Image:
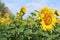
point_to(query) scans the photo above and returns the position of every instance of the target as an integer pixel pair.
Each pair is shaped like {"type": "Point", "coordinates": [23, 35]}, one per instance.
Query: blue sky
{"type": "Point", "coordinates": [15, 5]}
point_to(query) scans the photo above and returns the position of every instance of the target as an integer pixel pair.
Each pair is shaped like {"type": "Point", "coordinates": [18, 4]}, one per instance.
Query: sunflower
{"type": "Point", "coordinates": [2, 20]}
{"type": "Point", "coordinates": [5, 21]}
{"type": "Point", "coordinates": [6, 15]}
{"type": "Point", "coordinates": [23, 9]}
{"type": "Point", "coordinates": [8, 21]}
{"type": "Point", "coordinates": [48, 20]}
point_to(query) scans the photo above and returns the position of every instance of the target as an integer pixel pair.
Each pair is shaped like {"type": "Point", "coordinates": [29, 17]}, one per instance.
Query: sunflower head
{"type": "Point", "coordinates": [48, 20]}
{"type": "Point", "coordinates": [6, 15]}
{"type": "Point", "coordinates": [23, 9]}
{"type": "Point", "coordinates": [8, 21]}
{"type": "Point", "coordinates": [3, 20]}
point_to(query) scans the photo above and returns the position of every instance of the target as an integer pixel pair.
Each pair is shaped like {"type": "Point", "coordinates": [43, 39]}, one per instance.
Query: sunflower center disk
{"type": "Point", "coordinates": [47, 20]}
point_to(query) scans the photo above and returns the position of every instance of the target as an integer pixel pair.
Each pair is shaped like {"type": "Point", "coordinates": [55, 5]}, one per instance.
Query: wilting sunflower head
{"type": "Point", "coordinates": [23, 9]}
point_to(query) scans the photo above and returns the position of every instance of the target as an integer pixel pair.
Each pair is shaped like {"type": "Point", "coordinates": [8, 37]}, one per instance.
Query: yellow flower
{"type": "Point", "coordinates": [44, 11]}
{"type": "Point", "coordinates": [6, 15]}
{"type": "Point", "coordinates": [48, 19]}
{"type": "Point", "coordinates": [23, 9]}
{"type": "Point", "coordinates": [3, 20]}
{"type": "Point", "coordinates": [8, 21]}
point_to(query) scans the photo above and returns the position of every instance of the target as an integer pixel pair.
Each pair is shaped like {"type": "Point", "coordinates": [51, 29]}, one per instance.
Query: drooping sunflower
{"type": "Point", "coordinates": [48, 20]}
{"type": "Point", "coordinates": [23, 9]}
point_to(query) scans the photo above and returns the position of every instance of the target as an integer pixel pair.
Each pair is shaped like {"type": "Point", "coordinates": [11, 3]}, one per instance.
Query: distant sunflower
{"type": "Point", "coordinates": [5, 20]}
{"type": "Point", "coordinates": [6, 15]}
{"type": "Point", "coordinates": [23, 9]}
{"type": "Point", "coordinates": [48, 20]}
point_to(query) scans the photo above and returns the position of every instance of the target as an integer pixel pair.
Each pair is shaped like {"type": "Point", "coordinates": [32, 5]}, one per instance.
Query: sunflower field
{"type": "Point", "coordinates": [40, 25]}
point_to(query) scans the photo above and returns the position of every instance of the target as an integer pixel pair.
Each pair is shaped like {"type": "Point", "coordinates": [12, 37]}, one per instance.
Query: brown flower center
{"type": "Point", "coordinates": [47, 19]}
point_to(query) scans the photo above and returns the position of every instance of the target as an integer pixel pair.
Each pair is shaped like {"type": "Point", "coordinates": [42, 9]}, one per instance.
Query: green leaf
{"type": "Point", "coordinates": [12, 31]}
{"type": "Point", "coordinates": [28, 32]}
{"type": "Point", "coordinates": [58, 30]}
{"type": "Point", "coordinates": [49, 39]}
{"type": "Point", "coordinates": [3, 38]}
{"type": "Point", "coordinates": [20, 38]}
{"type": "Point", "coordinates": [53, 36]}
{"type": "Point", "coordinates": [21, 29]}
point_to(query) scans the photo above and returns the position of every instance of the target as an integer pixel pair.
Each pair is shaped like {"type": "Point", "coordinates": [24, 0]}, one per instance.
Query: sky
{"type": "Point", "coordinates": [31, 5]}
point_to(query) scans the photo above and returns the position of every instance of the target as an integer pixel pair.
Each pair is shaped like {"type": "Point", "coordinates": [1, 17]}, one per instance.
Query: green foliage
{"type": "Point", "coordinates": [27, 29]}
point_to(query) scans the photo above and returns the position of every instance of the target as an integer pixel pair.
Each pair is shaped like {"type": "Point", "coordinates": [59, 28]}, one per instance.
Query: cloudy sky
{"type": "Point", "coordinates": [15, 5]}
